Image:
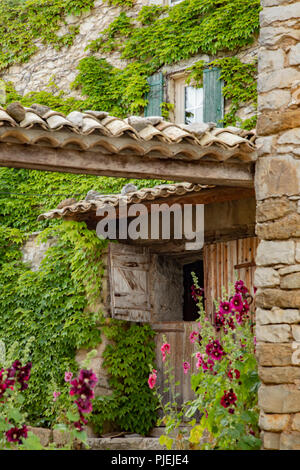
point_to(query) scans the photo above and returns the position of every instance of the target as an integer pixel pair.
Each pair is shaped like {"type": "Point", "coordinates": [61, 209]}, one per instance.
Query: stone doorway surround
{"type": "Point", "coordinates": [277, 185]}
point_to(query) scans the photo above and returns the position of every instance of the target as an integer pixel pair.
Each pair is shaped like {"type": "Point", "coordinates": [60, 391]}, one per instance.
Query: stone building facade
{"type": "Point", "coordinates": [55, 70]}
{"type": "Point", "coordinates": [278, 224]}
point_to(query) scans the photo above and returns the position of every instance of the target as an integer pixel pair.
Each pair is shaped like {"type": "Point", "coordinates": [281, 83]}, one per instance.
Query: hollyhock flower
{"type": "Point", "coordinates": [193, 336]}
{"type": "Point", "coordinates": [215, 350]}
{"type": "Point", "coordinates": [152, 380]}
{"type": "Point", "coordinates": [219, 321]}
{"type": "Point", "coordinates": [230, 323]}
{"type": "Point", "coordinates": [236, 373]}
{"type": "Point", "coordinates": [165, 349]}
{"type": "Point", "coordinates": [225, 308]}
{"type": "Point", "coordinates": [55, 395]}
{"type": "Point", "coordinates": [68, 376]}
{"type": "Point", "coordinates": [236, 303]}
{"type": "Point", "coordinates": [87, 377]}
{"type": "Point", "coordinates": [186, 366]}
{"type": "Point", "coordinates": [196, 292]}
{"type": "Point", "coordinates": [229, 398]}
{"type": "Point", "coordinates": [240, 288]}
{"type": "Point", "coordinates": [15, 434]}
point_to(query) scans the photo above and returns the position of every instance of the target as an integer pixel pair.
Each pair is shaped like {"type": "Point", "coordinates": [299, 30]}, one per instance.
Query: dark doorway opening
{"type": "Point", "coordinates": [190, 310]}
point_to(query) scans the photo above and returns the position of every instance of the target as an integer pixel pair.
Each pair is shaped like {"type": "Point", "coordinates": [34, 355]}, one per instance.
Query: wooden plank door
{"type": "Point", "coordinates": [224, 263]}
{"type": "Point", "coordinates": [178, 336]}
{"type": "Point", "coordinates": [129, 282]}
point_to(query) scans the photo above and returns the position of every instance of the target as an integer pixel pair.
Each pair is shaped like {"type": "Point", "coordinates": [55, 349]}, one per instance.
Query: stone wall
{"type": "Point", "coordinates": [278, 224]}
{"type": "Point", "coordinates": [51, 70]}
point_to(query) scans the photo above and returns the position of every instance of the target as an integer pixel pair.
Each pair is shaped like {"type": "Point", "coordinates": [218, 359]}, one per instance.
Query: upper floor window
{"type": "Point", "coordinates": [191, 103]}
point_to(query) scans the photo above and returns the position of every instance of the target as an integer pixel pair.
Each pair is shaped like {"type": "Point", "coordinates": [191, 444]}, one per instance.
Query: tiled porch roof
{"type": "Point", "coordinates": [146, 137]}
{"type": "Point", "coordinates": [94, 201]}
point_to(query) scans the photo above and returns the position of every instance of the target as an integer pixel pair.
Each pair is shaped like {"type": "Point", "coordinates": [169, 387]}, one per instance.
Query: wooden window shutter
{"type": "Point", "coordinates": [213, 99]}
{"type": "Point", "coordinates": [129, 282]}
{"type": "Point", "coordinates": [155, 95]}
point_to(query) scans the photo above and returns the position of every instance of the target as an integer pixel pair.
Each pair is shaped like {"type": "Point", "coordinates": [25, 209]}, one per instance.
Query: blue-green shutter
{"type": "Point", "coordinates": [213, 106]}
{"type": "Point", "coordinates": [155, 95]}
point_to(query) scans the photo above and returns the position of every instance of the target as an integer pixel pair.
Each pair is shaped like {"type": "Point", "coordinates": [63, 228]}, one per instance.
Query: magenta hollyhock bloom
{"type": "Point", "coordinates": [16, 434]}
{"type": "Point", "coordinates": [230, 323]}
{"type": "Point", "coordinates": [152, 380]}
{"type": "Point", "coordinates": [236, 303]}
{"type": "Point", "coordinates": [240, 287]}
{"type": "Point", "coordinates": [219, 321]}
{"type": "Point", "coordinates": [87, 377]}
{"type": "Point", "coordinates": [68, 376]}
{"type": "Point", "coordinates": [224, 308]}
{"type": "Point", "coordinates": [186, 366]}
{"type": "Point", "coordinates": [215, 350]}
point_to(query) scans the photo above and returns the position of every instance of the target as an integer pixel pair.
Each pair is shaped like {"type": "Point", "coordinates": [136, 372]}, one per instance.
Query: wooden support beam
{"type": "Point", "coordinates": [129, 166]}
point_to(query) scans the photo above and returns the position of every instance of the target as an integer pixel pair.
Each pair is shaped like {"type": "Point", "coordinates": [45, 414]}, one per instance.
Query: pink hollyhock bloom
{"type": "Point", "coordinates": [152, 380]}
{"type": "Point", "coordinates": [165, 349]}
{"type": "Point", "coordinates": [68, 376]}
{"type": "Point", "coordinates": [55, 395]}
{"type": "Point", "coordinates": [186, 366]}
{"type": "Point", "coordinates": [193, 336]}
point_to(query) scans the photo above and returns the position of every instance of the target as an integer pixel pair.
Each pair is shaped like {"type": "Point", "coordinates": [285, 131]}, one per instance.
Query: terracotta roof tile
{"type": "Point", "coordinates": [145, 136]}
{"type": "Point", "coordinates": [142, 195]}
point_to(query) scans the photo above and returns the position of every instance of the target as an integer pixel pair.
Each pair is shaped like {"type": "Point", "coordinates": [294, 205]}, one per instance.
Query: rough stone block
{"type": "Point", "coordinates": [275, 252]}
{"type": "Point", "coordinates": [279, 399]}
{"type": "Point", "coordinates": [277, 176]}
{"type": "Point", "coordinates": [290, 441]}
{"type": "Point", "coordinates": [295, 268]}
{"type": "Point", "coordinates": [274, 354]}
{"type": "Point", "coordinates": [279, 375]}
{"type": "Point", "coordinates": [266, 277]}
{"type": "Point", "coordinates": [283, 229]}
{"type": "Point", "coordinates": [290, 281]}
{"type": "Point", "coordinates": [270, 440]}
{"type": "Point", "coordinates": [284, 78]}
{"type": "Point", "coordinates": [274, 99]}
{"type": "Point", "coordinates": [279, 13]}
{"type": "Point", "coordinates": [269, 60]}
{"type": "Point", "coordinates": [273, 422]}
{"type": "Point", "coordinates": [298, 252]}
{"type": "Point", "coordinates": [273, 333]}
{"type": "Point", "coordinates": [296, 422]}
{"type": "Point", "coordinates": [294, 55]}
{"type": "Point", "coordinates": [268, 298]}
{"type": "Point", "coordinates": [296, 332]}
{"type": "Point", "coordinates": [273, 122]}
{"type": "Point", "coordinates": [277, 315]}
{"type": "Point", "coordinates": [274, 209]}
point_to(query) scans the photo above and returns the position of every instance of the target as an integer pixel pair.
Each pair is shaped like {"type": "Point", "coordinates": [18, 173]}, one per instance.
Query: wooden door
{"type": "Point", "coordinates": [226, 262]}
{"type": "Point", "coordinates": [129, 282]}
{"type": "Point", "coordinates": [178, 336]}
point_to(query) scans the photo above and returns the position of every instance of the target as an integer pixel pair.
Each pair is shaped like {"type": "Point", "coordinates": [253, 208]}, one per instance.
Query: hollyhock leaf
{"type": "Point", "coordinates": [15, 414]}
{"type": "Point", "coordinates": [32, 442]}
{"type": "Point", "coordinates": [72, 416]}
